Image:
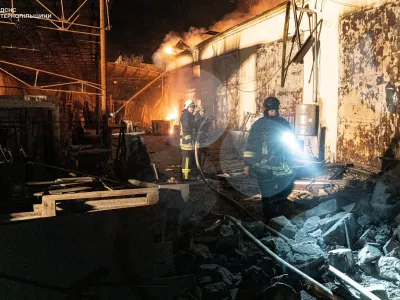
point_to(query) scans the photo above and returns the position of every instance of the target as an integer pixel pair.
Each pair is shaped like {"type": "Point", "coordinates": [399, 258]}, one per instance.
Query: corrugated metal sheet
{"type": "Point", "coordinates": [369, 85]}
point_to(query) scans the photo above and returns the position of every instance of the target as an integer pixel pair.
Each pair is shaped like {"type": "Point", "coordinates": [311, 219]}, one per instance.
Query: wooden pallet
{"type": "Point", "coordinates": [103, 199]}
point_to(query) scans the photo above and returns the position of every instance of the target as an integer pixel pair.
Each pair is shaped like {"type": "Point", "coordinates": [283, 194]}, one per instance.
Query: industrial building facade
{"type": "Point", "coordinates": [357, 76]}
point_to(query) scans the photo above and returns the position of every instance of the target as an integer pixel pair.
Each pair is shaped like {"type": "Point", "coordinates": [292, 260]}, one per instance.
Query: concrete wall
{"type": "Point", "coordinates": [369, 85]}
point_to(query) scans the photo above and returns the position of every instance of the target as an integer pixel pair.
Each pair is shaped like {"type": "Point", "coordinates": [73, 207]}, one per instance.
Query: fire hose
{"type": "Point", "coordinates": [318, 287]}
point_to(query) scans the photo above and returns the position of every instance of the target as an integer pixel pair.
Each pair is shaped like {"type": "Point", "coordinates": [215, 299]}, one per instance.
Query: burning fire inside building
{"type": "Point", "coordinates": [244, 149]}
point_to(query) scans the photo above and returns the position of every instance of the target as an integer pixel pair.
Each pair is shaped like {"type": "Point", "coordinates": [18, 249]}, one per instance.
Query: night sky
{"type": "Point", "coordinates": [139, 26]}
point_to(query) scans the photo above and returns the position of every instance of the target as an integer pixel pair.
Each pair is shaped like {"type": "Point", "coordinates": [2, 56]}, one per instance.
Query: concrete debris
{"type": "Point", "coordinates": [388, 268]}
{"type": "Point", "coordinates": [254, 281]}
{"type": "Point", "coordinates": [337, 233]}
{"type": "Point", "coordinates": [323, 209]}
{"type": "Point", "coordinates": [368, 254]}
{"type": "Point", "coordinates": [394, 253]}
{"type": "Point", "coordinates": [396, 233]}
{"type": "Point", "coordinates": [378, 290]}
{"type": "Point", "coordinates": [390, 246]}
{"type": "Point", "coordinates": [306, 296]}
{"type": "Point", "coordinates": [349, 208]}
{"type": "Point", "coordinates": [367, 236]}
{"type": "Point", "coordinates": [205, 280]}
{"type": "Point", "coordinates": [302, 236]}
{"type": "Point", "coordinates": [217, 273]}
{"type": "Point", "coordinates": [227, 239]}
{"type": "Point", "coordinates": [365, 220]}
{"type": "Point", "coordinates": [276, 244]}
{"type": "Point", "coordinates": [304, 254]}
{"type": "Point", "coordinates": [341, 259]}
{"type": "Point", "coordinates": [328, 222]}
{"type": "Point", "coordinates": [256, 228]}
{"type": "Point", "coordinates": [284, 226]}
{"type": "Point", "coordinates": [311, 224]}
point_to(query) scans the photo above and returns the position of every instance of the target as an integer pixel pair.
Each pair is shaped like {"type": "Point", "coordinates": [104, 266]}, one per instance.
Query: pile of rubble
{"type": "Point", "coordinates": [359, 236]}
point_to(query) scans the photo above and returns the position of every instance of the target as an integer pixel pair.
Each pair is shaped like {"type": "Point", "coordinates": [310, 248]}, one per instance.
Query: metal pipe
{"type": "Point", "coordinates": [317, 286]}
{"type": "Point", "coordinates": [354, 284]}
{"type": "Point", "coordinates": [103, 60]}
{"type": "Point", "coordinates": [315, 58]}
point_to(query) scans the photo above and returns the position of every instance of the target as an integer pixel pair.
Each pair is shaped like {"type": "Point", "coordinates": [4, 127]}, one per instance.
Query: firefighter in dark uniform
{"type": "Point", "coordinates": [268, 157]}
{"type": "Point", "coordinates": [187, 139]}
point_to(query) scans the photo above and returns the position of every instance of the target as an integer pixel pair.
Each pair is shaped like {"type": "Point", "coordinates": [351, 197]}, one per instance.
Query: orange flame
{"type": "Point", "coordinates": [172, 116]}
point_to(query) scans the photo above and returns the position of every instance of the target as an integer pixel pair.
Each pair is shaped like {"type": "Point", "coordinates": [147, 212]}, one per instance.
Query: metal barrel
{"type": "Point", "coordinates": [306, 119]}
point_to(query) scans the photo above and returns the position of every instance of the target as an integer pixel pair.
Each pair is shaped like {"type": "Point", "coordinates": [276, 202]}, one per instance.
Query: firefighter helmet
{"type": "Point", "coordinates": [271, 103]}
{"type": "Point", "coordinates": [189, 103]}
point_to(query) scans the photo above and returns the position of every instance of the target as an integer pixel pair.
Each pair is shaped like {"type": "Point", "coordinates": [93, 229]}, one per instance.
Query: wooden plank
{"type": "Point", "coordinates": [284, 42]}
{"type": "Point", "coordinates": [101, 194]}
{"type": "Point", "coordinates": [49, 201]}
{"type": "Point", "coordinates": [70, 190]}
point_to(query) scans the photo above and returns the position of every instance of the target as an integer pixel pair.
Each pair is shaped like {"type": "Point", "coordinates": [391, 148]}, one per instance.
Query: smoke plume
{"type": "Point", "coordinates": [245, 10]}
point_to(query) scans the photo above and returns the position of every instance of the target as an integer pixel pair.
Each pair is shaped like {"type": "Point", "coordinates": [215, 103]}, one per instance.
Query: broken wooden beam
{"type": "Point", "coordinates": [124, 198]}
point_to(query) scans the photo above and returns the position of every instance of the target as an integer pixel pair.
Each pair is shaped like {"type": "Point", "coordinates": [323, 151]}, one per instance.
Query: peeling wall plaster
{"type": "Point", "coordinates": [368, 121]}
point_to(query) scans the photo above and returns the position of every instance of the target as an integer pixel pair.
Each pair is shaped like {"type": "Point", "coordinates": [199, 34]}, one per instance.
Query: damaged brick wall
{"type": "Point", "coordinates": [269, 60]}
{"type": "Point", "coordinates": [368, 122]}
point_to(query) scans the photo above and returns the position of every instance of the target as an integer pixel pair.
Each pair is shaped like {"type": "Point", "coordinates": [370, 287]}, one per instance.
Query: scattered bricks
{"type": "Point", "coordinates": [277, 245]}
{"type": "Point", "coordinates": [365, 220]}
{"type": "Point", "coordinates": [328, 222]}
{"type": "Point", "coordinates": [388, 268]}
{"type": "Point", "coordinates": [325, 208]}
{"type": "Point", "coordinates": [378, 290]}
{"type": "Point", "coordinates": [216, 291]}
{"type": "Point", "coordinates": [337, 233]}
{"type": "Point", "coordinates": [311, 224]}
{"type": "Point", "coordinates": [341, 259]}
{"type": "Point", "coordinates": [289, 280]}
{"type": "Point", "coordinates": [201, 251]}
{"type": "Point", "coordinates": [368, 254]}
{"type": "Point", "coordinates": [390, 245]}
{"type": "Point", "coordinates": [279, 291]}
{"type": "Point", "coordinates": [305, 254]}
{"type": "Point", "coordinates": [256, 228]}
{"type": "Point", "coordinates": [217, 273]}
{"type": "Point", "coordinates": [284, 226]}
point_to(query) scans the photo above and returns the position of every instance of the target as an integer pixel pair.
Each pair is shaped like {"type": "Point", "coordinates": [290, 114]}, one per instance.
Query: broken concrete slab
{"type": "Point", "coordinates": [367, 236]}
{"type": "Point", "coordinates": [303, 254]}
{"type": "Point", "coordinates": [341, 259]}
{"type": "Point", "coordinates": [349, 208]}
{"type": "Point", "coordinates": [227, 239]}
{"type": "Point", "coordinates": [336, 235]}
{"type": "Point", "coordinates": [368, 254]}
{"type": "Point", "coordinates": [276, 244]}
{"type": "Point", "coordinates": [284, 226]}
{"type": "Point", "coordinates": [381, 239]}
{"type": "Point", "coordinates": [323, 209]}
{"type": "Point", "coordinates": [311, 224]}
{"type": "Point", "coordinates": [390, 246]}
{"type": "Point", "coordinates": [381, 192]}
{"type": "Point", "coordinates": [365, 220]}
{"type": "Point", "coordinates": [385, 211]}
{"type": "Point", "coordinates": [328, 222]}
{"type": "Point", "coordinates": [388, 268]}
{"type": "Point", "coordinates": [302, 236]}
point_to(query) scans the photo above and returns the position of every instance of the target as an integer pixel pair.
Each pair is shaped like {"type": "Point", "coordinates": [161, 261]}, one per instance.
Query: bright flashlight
{"type": "Point", "coordinates": [169, 50]}
{"type": "Point", "coordinates": [289, 138]}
